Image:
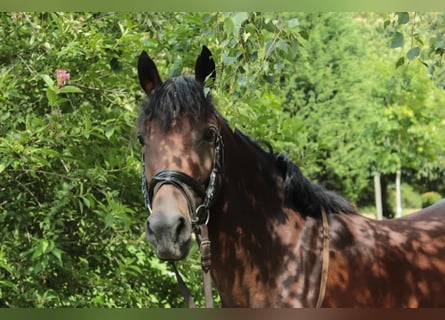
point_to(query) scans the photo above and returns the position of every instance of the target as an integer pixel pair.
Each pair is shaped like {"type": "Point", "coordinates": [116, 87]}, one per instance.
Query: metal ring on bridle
{"type": "Point", "coordinates": [201, 220]}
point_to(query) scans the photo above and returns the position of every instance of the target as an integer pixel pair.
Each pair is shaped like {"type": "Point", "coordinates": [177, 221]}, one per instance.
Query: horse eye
{"type": "Point", "coordinates": [140, 139]}
{"type": "Point", "coordinates": [209, 135]}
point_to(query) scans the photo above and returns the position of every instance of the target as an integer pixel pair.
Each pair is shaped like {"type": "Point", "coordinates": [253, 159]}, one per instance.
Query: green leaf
{"type": "Point", "coordinates": [2, 167]}
{"type": "Point", "coordinates": [109, 132]}
{"type": "Point", "coordinates": [400, 62]}
{"type": "Point", "coordinates": [397, 40]}
{"type": "Point", "coordinates": [52, 96]}
{"type": "Point", "coordinates": [413, 52]}
{"type": "Point", "coordinates": [227, 60]}
{"type": "Point", "coordinates": [109, 220]}
{"type": "Point", "coordinates": [292, 23]}
{"type": "Point", "coordinates": [58, 254]}
{"type": "Point", "coordinates": [70, 89]}
{"type": "Point", "coordinates": [44, 245]}
{"type": "Point", "coordinates": [49, 82]}
{"type": "Point", "coordinates": [6, 283]}
{"type": "Point", "coordinates": [402, 17]}
{"type": "Point", "coordinates": [229, 26]}
{"type": "Point", "coordinates": [239, 18]}
{"type": "Point", "coordinates": [86, 201]}
{"type": "Point", "coordinates": [50, 152]}
{"type": "Point", "coordinates": [282, 45]}
{"type": "Point", "coordinates": [5, 266]}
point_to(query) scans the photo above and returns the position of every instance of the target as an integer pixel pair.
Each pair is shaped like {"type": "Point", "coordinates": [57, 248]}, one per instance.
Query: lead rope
{"type": "Point", "coordinates": [183, 287]}
{"type": "Point", "coordinates": [204, 244]}
{"type": "Point", "coordinates": [325, 259]}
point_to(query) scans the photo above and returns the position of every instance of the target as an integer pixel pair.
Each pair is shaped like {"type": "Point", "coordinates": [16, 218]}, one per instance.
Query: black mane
{"type": "Point", "coordinates": [299, 192]}
{"type": "Point", "coordinates": [175, 98]}
{"type": "Point", "coordinates": [306, 196]}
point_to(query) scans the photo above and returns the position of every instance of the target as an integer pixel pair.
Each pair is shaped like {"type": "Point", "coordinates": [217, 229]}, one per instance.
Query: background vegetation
{"type": "Point", "coordinates": [345, 95]}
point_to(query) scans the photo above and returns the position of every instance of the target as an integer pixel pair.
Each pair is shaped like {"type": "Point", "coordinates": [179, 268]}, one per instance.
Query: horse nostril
{"type": "Point", "coordinates": [181, 226]}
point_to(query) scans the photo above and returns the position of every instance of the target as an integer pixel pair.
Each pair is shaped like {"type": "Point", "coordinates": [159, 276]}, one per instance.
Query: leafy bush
{"type": "Point", "coordinates": [430, 198]}
{"type": "Point", "coordinates": [410, 197]}
{"type": "Point", "coordinates": [71, 213]}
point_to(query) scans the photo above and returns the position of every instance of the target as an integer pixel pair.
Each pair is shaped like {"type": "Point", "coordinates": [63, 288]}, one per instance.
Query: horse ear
{"type": "Point", "coordinates": [148, 73]}
{"type": "Point", "coordinates": [205, 67]}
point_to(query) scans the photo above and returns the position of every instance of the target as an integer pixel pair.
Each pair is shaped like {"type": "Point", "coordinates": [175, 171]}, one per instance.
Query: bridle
{"type": "Point", "coordinates": [200, 214]}
{"type": "Point", "coordinates": [183, 182]}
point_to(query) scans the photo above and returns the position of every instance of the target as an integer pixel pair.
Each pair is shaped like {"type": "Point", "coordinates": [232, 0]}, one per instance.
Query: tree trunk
{"type": "Point", "coordinates": [378, 197]}
{"type": "Point", "coordinates": [398, 194]}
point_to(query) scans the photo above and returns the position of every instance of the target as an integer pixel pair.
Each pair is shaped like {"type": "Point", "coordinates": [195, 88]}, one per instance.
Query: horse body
{"type": "Point", "coordinates": [391, 263]}
{"type": "Point", "coordinates": [265, 223]}
{"type": "Point", "coordinates": [267, 254]}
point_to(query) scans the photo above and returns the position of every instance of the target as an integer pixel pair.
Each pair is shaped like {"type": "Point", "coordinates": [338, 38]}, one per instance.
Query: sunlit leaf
{"type": "Point", "coordinates": [292, 23]}
{"type": "Point", "coordinates": [70, 89]}
{"type": "Point", "coordinates": [51, 95]}
{"type": "Point", "coordinates": [229, 25]}
{"type": "Point", "coordinates": [49, 82]}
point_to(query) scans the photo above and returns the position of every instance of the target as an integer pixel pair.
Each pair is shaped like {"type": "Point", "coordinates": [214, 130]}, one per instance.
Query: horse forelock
{"type": "Point", "coordinates": [178, 98]}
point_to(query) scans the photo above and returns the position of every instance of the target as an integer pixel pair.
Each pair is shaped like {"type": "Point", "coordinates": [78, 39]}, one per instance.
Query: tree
{"type": "Point", "coordinates": [70, 208]}
{"type": "Point", "coordinates": [407, 133]}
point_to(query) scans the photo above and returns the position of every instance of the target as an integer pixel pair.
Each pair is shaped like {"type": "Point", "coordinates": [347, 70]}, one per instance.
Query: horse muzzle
{"type": "Point", "coordinates": [169, 234]}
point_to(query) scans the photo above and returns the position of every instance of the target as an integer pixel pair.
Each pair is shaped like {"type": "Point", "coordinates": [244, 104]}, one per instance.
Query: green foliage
{"type": "Point", "coordinates": [423, 35]}
{"type": "Point", "coordinates": [410, 198]}
{"type": "Point", "coordinates": [71, 214]}
{"type": "Point", "coordinates": [430, 198]}
{"type": "Point", "coordinates": [321, 87]}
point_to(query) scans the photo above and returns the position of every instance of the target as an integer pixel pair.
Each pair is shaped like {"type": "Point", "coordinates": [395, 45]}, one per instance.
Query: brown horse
{"type": "Point", "coordinates": [273, 232]}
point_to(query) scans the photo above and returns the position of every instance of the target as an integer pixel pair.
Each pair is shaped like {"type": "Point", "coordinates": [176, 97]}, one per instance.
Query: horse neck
{"type": "Point", "coordinates": [251, 185]}
{"type": "Point", "coordinates": [250, 228]}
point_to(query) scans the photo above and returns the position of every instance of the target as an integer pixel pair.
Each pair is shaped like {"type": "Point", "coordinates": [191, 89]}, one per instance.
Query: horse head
{"type": "Point", "coordinates": [182, 152]}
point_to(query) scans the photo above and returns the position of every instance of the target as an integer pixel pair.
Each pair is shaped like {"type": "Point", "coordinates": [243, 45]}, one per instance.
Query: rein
{"type": "Point", "coordinates": [200, 214]}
